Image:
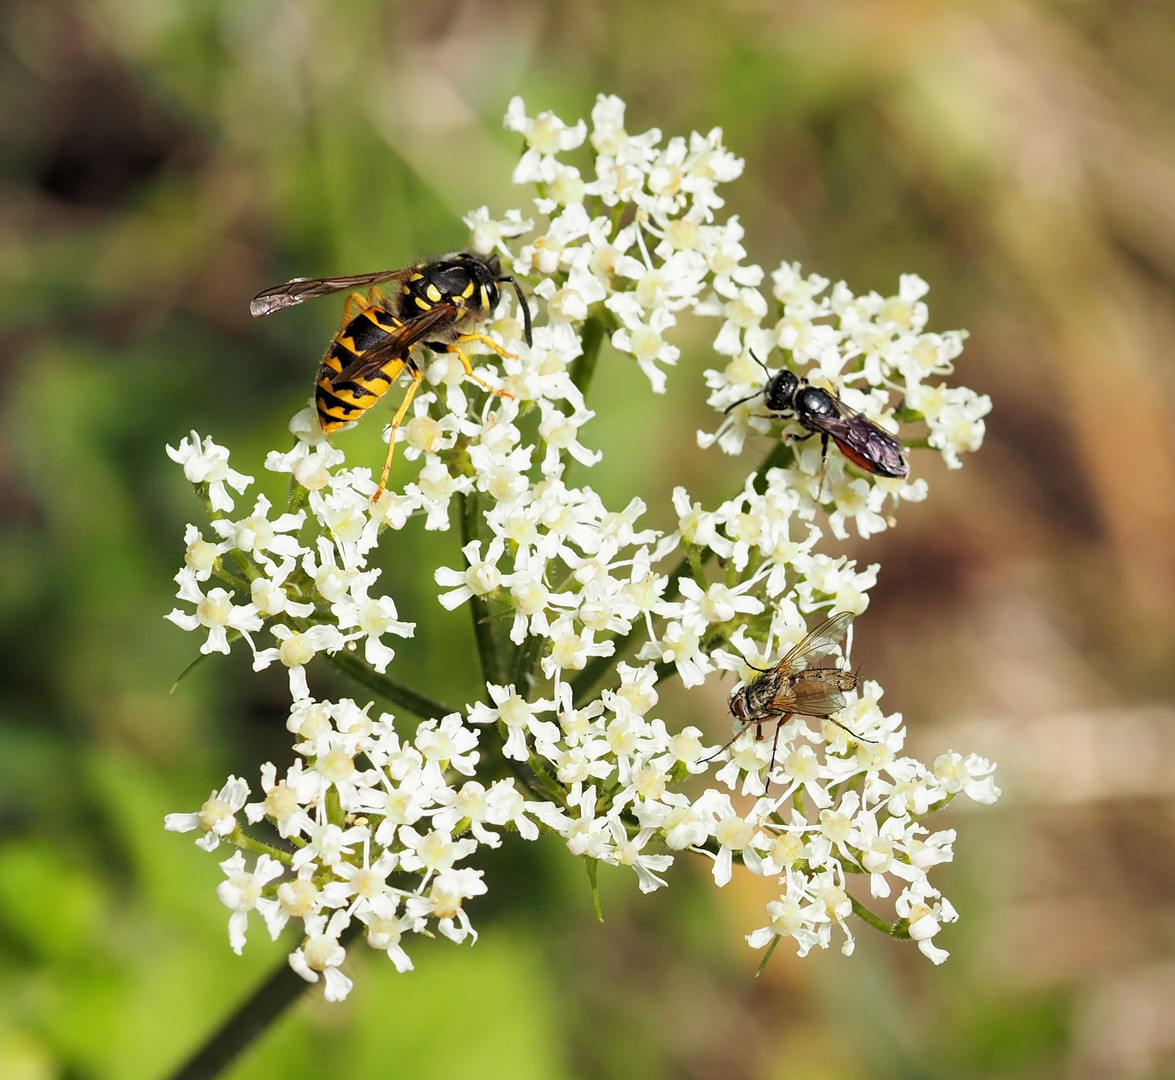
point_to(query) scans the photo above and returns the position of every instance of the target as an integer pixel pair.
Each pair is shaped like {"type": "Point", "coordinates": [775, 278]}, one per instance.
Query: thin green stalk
{"type": "Point", "coordinates": [245, 842]}
{"type": "Point", "coordinates": [252, 1018]}
{"type": "Point", "coordinates": [229, 578]}
{"type": "Point", "coordinates": [584, 366]}
{"type": "Point", "coordinates": [877, 922]}
{"type": "Point", "coordinates": [392, 691]}
{"type": "Point", "coordinates": [492, 669]}
{"type": "Point", "coordinates": [548, 782]}
{"type": "Point", "coordinates": [781, 454]}
{"type": "Point", "coordinates": [526, 658]}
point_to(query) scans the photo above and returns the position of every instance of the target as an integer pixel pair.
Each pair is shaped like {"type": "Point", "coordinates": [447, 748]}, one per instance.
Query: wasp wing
{"type": "Point", "coordinates": [297, 290]}
{"type": "Point", "coordinates": [817, 642]}
{"type": "Point", "coordinates": [396, 345]}
{"type": "Point", "coordinates": [866, 444]}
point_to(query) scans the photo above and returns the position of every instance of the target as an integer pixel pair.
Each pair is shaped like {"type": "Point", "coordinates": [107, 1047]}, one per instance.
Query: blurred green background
{"type": "Point", "coordinates": [162, 161]}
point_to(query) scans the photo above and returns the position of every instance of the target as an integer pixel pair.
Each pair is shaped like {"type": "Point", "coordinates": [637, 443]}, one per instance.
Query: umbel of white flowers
{"type": "Point", "coordinates": [379, 822]}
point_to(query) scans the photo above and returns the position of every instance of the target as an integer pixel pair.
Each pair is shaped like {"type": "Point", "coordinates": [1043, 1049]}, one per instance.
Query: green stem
{"type": "Point", "coordinates": [584, 366]}
{"type": "Point", "coordinates": [781, 454]}
{"type": "Point", "coordinates": [547, 781]}
{"type": "Point", "coordinates": [229, 578]}
{"type": "Point", "coordinates": [492, 669]}
{"type": "Point", "coordinates": [526, 658]}
{"type": "Point", "coordinates": [246, 842]}
{"type": "Point", "coordinates": [252, 1018]}
{"type": "Point", "coordinates": [392, 691]}
{"type": "Point", "coordinates": [876, 921]}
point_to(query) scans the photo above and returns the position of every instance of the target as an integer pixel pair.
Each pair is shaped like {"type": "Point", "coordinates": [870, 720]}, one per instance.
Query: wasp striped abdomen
{"type": "Point", "coordinates": [439, 305]}
{"type": "Point", "coordinates": [341, 401]}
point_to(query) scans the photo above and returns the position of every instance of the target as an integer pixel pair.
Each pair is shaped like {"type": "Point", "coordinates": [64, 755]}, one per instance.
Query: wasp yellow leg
{"type": "Point", "coordinates": [352, 306]}
{"type": "Point", "coordinates": [490, 343]}
{"type": "Point", "coordinates": [383, 476]}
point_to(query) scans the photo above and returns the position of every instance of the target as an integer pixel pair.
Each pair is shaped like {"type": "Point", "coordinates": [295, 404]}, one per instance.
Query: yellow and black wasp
{"type": "Point", "coordinates": [438, 304]}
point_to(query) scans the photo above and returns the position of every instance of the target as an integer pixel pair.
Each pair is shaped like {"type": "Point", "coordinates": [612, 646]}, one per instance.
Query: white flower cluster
{"type": "Point", "coordinates": [862, 349]}
{"type": "Point", "coordinates": [370, 824]}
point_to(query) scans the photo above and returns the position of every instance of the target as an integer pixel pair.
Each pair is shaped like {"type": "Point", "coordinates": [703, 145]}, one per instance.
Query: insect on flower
{"type": "Point", "coordinates": [440, 304]}
{"type": "Point", "coordinates": [863, 442]}
{"type": "Point", "coordinates": [792, 688]}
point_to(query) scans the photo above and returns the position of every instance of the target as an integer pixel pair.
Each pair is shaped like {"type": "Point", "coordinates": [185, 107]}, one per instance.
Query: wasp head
{"type": "Point", "coordinates": [780, 392]}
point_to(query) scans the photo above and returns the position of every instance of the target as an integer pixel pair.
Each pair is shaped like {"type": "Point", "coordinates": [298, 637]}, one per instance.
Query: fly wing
{"type": "Point", "coordinates": [808, 697]}
{"type": "Point", "coordinates": [816, 644]}
{"type": "Point", "coordinates": [296, 290]}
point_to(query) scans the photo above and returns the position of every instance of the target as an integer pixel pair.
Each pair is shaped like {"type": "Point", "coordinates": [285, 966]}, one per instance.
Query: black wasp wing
{"type": "Point", "coordinates": [863, 442]}
{"type": "Point", "coordinates": [396, 345]}
{"type": "Point", "coordinates": [815, 644]}
{"type": "Point", "coordinates": [297, 290]}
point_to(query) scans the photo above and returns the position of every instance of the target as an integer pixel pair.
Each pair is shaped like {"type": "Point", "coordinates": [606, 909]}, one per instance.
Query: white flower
{"type": "Point", "coordinates": [297, 649]}
{"type": "Point", "coordinates": [971, 775]}
{"type": "Point", "coordinates": [200, 556]}
{"type": "Point", "coordinates": [259, 537]}
{"type": "Point", "coordinates": [518, 716]}
{"type": "Point", "coordinates": [208, 464]}
{"type": "Point", "coordinates": [645, 338]}
{"type": "Point", "coordinates": [386, 929]}
{"type": "Point", "coordinates": [630, 852]}
{"type": "Point", "coordinates": [240, 892]}
{"type": "Point", "coordinates": [372, 617]}
{"type": "Point", "coordinates": [480, 577]}
{"type": "Point", "coordinates": [449, 743]}
{"type": "Point", "coordinates": [215, 612]}
{"type": "Point", "coordinates": [270, 596]}
{"type": "Point", "coordinates": [925, 915]}
{"type": "Point", "coordinates": [449, 889]}
{"type": "Point", "coordinates": [216, 818]}
{"type": "Point", "coordinates": [321, 953]}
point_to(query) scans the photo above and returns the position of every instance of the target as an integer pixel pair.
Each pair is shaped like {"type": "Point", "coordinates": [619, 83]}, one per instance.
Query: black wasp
{"type": "Point", "coordinates": [863, 442]}
{"type": "Point", "coordinates": [439, 304]}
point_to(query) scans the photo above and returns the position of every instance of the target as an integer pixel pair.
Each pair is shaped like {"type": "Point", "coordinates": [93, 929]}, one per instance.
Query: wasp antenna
{"type": "Point", "coordinates": [759, 362]}
{"type": "Point", "coordinates": [735, 404]}
{"type": "Point", "coordinates": [525, 307]}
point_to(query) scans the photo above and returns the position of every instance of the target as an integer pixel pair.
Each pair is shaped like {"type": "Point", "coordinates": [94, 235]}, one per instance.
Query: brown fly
{"type": "Point", "coordinates": [792, 688]}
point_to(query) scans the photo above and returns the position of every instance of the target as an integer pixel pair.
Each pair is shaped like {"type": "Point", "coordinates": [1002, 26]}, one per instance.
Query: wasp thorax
{"type": "Point", "coordinates": [812, 401]}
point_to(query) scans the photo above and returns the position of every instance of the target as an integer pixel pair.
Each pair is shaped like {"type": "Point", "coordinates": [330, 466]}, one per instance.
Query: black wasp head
{"type": "Point", "coordinates": [485, 272]}
{"type": "Point", "coordinates": [488, 272]}
{"type": "Point", "coordinates": [779, 394]}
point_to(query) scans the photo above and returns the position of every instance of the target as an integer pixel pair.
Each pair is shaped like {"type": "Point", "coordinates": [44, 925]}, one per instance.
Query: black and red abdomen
{"type": "Point", "coordinates": [872, 449]}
